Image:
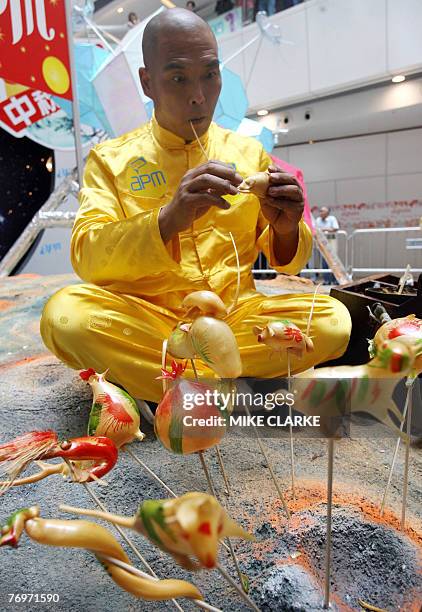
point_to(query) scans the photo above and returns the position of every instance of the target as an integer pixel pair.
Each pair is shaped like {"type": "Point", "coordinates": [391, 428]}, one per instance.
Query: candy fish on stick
{"type": "Point", "coordinates": [208, 336]}
{"type": "Point", "coordinates": [178, 404]}
{"type": "Point", "coordinates": [91, 457]}
{"type": "Point", "coordinates": [98, 540]}
{"type": "Point", "coordinates": [188, 527]}
{"type": "Point", "coordinates": [114, 412]}
{"type": "Point", "coordinates": [282, 335]}
{"type": "Point", "coordinates": [335, 391]}
{"type": "Point", "coordinates": [256, 183]}
{"type": "Point", "coordinates": [408, 330]}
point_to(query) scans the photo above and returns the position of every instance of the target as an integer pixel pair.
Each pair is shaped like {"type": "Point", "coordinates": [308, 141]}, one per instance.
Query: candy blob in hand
{"type": "Point", "coordinates": [90, 457]}
{"type": "Point", "coordinates": [181, 402]}
{"type": "Point", "coordinates": [256, 183]}
{"type": "Point", "coordinates": [114, 413]}
{"type": "Point", "coordinates": [98, 540]}
{"type": "Point", "coordinates": [282, 335]}
{"type": "Point", "coordinates": [188, 527]}
{"type": "Point", "coordinates": [406, 329]}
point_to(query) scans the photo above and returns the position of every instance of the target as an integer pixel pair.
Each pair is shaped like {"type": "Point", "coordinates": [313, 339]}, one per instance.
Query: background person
{"type": "Point", "coordinates": [329, 225]}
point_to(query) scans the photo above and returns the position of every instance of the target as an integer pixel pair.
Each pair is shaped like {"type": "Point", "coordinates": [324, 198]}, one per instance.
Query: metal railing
{"type": "Point", "coordinates": [347, 249]}
{"type": "Point", "coordinates": [372, 232]}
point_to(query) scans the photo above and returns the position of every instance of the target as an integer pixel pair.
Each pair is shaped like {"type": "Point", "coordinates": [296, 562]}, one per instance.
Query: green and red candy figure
{"type": "Point", "coordinates": [114, 412]}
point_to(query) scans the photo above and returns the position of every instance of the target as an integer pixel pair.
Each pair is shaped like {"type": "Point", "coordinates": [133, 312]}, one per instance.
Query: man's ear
{"type": "Point", "coordinates": [145, 81]}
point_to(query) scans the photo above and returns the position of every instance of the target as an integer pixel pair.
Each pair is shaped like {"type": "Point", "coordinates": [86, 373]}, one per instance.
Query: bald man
{"type": "Point", "coordinates": [155, 214]}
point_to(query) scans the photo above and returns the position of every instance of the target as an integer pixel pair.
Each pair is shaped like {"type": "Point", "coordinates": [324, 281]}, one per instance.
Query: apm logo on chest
{"type": "Point", "coordinates": [143, 177]}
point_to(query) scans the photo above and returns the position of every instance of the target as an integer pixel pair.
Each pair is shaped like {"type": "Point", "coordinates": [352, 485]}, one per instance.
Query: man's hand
{"type": "Point", "coordinates": [199, 189]}
{"type": "Point", "coordinates": [283, 206]}
{"type": "Point", "coordinates": [283, 203]}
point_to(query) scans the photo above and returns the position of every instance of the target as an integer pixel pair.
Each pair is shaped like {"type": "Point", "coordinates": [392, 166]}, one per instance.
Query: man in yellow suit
{"type": "Point", "coordinates": [153, 226]}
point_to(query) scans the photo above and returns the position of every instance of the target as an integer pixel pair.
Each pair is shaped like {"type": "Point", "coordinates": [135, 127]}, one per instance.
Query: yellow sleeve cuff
{"type": "Point", "coordinates": [303, 252]}
{"type": "Point", "coordinates": [168, 255]}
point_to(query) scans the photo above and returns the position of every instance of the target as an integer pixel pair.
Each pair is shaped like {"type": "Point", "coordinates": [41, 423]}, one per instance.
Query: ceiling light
{"type": "Point", "coordinates": [49, 164]}
{"type": "Point", "coordinates": [262, 112]}
{"type": "Point", "coordinates": [283, 130]}
{"type": "Point", "coordinates": [399, 78]}
{"type": "Point", "coordinates": [120, 9]}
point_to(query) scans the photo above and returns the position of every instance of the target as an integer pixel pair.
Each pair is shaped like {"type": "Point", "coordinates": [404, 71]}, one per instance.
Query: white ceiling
{"type": "Point", "coordinates": [378, 109]}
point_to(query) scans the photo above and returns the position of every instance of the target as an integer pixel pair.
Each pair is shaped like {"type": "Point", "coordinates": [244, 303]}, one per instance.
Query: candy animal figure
{"type": "Point", "coordinates": [114, 413]}
{"type": "Point", "coordinates": [282, 335]}
{"type": "Point", "coordinates": [215, 343]}
{"type": "Point", "coordinates": [181, 404]}
{"type": "Point", "coordinates": [406, 329]}
{"type": "Point", "coordinates": [98, 540]}
{"type": "Point", "coordinates": [257, 184]}
{"type": "Point", "coordinates": [338, 390]}
{"type": "Point", "coordinates": [188, 527]}
{"type": "Point", "coordinates": [179, 344]}
{"type": "Point", "coordinates": [90, 457]}
{"type": "Point", "coordinates": [205, 303]}
{"type": "Point", "coordinates": [207, 337]}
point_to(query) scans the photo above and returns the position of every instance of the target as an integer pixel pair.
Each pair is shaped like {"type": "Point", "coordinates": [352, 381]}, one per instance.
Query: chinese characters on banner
{"type": "Point", "coordinates": [23, 109]}
{"type": "Point", "coordinates": [396, 213]}
{"type": "Point", "coordinates": [33, 45]}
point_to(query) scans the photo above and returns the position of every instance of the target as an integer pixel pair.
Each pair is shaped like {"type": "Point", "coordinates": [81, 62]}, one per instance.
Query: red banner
{"type": "Point", "coordinates": [22, 110]}
{"type": "Point", "coordinates": [33, 45]}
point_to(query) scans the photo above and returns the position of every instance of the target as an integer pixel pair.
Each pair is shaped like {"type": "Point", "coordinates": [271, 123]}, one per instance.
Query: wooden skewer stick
{"type": "Point", "coordinates": [406, 459]}
{"type": "Point", "coordinates": [329, 523]}
{"type": "Point", "coordinates": [223, 470]}
{"type": "Point", "coordinates": [270, 467]}
{"type": "Point", "coordinates": [195, 371]}
{"type": "Point", "coordinates": [207, 473]}
{"type": "Point", "coordinates": [150, 472]}
{"type": "Point", "coordinates": [238, 589]}
{"type": "Point", "coordinates": [164, 381]}
{"type": "Point", "coordinates": [292, 451]}
{"type": "Point", "coordinates": [409, 383]}
{"type": "Point", "coordinates": [212, 489]}
{"type": "Point", "coordinates": [219, 457]}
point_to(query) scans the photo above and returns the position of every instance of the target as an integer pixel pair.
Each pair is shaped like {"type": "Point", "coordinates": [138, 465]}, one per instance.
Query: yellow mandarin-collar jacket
{"type": "Point", "coordinates": [116, 241]}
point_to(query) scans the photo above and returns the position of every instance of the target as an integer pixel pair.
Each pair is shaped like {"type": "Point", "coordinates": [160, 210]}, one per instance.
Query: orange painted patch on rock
{"type": "Point", "coordinates": [312, 493]}
{"type": "Point", "coordinates": [24, 361]}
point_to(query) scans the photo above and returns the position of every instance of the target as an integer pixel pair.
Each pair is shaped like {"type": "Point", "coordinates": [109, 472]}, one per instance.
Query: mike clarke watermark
{"type": "Point", "coordinates": [257, 420]}
{"type": "Point", "coordinates": [229, 402]}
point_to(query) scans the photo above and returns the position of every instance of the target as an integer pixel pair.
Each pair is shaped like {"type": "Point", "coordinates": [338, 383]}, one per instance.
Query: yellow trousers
{"type": "Point", "coordinates": [86, 326]}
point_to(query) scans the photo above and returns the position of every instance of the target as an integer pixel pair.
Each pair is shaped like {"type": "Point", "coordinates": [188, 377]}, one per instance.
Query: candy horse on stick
{"type": "Point", "coordinates": [334, 391]}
